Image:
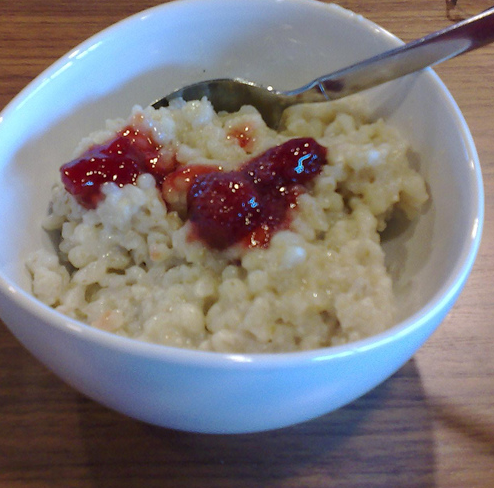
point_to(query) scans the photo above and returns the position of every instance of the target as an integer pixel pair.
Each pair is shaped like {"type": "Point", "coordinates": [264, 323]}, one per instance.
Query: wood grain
{"type": "Point", "coordinates": [430, 425]}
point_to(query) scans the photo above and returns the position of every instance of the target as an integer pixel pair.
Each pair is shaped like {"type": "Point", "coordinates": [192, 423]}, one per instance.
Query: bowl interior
{"type": "Point", "coordinates": [142, 58]}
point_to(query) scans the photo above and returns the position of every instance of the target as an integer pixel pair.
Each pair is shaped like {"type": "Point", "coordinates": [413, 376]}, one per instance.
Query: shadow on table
{"type": "Point", "coordinates": [383, 439]}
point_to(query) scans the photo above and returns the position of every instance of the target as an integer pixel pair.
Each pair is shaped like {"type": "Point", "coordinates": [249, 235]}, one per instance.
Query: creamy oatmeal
{"type": "Point", "coordinates": [204, 240]}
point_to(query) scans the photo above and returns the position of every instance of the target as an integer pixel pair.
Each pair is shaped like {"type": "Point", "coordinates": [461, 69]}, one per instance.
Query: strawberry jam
{"type": "Point", "coordinates": [250, 204]}
{"type": "Point", "coordinates": [120, 161]}
{"type": "Point", "coordinates": [246, 206]}
{"type": "Point", "coordinates": [224, 208]}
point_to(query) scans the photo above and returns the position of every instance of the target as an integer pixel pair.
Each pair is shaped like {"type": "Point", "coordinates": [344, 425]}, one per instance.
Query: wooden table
{"type": "Point", "coordinates": [430, 425]}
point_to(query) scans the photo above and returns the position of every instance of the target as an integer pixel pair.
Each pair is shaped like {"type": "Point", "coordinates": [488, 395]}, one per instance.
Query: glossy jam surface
{"type": "Point", "coordinates": [224, 208]}
{"type": "Point", "coordinates": [245, 206]}
{"type": "Point", "coordinates": [120, 161]}
{"type": "Point", "coordinates": [248, 205]}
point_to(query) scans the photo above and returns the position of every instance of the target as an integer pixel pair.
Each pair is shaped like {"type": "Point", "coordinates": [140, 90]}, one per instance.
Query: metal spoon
{"type": "Point", "coordinates": [231, 94]}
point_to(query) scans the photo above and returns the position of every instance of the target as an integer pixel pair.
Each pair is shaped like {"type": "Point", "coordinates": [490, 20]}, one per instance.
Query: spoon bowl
{"type": "Point", "coordinates": [230, 95]}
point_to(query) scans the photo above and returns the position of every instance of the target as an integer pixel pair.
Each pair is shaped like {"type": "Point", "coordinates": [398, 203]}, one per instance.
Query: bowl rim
{"type": "Point", "coordinates": [440, 301]}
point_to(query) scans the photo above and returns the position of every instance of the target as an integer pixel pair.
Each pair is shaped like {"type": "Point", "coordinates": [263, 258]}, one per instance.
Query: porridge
{"type": "Point", "coordinates": [193, 229]}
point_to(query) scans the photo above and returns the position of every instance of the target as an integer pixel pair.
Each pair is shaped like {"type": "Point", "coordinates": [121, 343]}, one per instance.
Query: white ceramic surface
{"type": "Point", "coordinates": [283, 43]}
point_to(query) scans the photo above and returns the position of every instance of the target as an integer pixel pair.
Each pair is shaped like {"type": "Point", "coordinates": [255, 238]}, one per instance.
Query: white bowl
{"type": "Point", "coordinates": [138, 61]}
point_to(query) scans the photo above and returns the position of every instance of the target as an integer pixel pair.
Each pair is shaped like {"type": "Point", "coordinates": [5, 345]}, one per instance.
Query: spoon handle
{"type": "Point", "coordinates": [427, 51]}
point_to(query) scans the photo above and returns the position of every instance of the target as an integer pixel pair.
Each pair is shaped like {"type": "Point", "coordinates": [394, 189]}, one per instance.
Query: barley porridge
{"type": "Point", "coordinates": [209, 242]}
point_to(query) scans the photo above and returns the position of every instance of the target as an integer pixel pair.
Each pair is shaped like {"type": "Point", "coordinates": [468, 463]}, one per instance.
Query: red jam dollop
{"type": "Point", "coordinates": [246, 206]}
{"type": "Point", "coordinates": [250, 204]}
{"type": "Point", "coordinates": [120, 161]}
